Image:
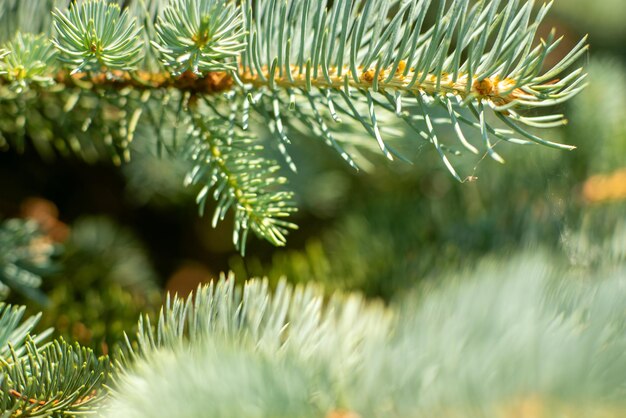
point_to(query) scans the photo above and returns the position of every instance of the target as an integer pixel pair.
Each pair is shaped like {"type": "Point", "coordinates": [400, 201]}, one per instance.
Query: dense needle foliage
{"type": "Point", "coordinates": [217, 96]}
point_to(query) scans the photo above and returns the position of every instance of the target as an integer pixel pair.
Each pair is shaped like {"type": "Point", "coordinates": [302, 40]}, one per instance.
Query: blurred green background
{"type": "Point", "coordinates": [131, 233]}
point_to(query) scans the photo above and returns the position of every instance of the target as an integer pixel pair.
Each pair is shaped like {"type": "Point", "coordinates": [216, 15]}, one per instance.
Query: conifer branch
{"type": "Point", "coordinates": [354, 52]}
{"type": "Point", "coordinates": [225, 162]}
{"type": "Point", "coordinates": [331, 65]}
{"type": "Point", "coordinates": [58, 379]}
{"type": "Point", "coordinates": [39, 379]}
{"type": "Point", "coordinates": [14, 331]}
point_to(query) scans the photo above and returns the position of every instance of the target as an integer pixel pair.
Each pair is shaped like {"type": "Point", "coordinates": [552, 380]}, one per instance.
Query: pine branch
{"type": "Point", "coordinates": [226, 163]}
{"type": "Point", "coordinates": [356, 49]}
{"type": "Point", "coordinates": [366, 63]}
{"type": "Point", "coordinates": [57, 380]}
{"type": "Point", "coordinates": [39, 379]}
{"type": "Point", "coordinates": [14, 331]}
{"type": "Point", "coordinates": [358, 52]}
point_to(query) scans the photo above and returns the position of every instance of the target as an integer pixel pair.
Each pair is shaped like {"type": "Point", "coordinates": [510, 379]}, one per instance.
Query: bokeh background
{"type": "Point", "coordinates": [115, 239]}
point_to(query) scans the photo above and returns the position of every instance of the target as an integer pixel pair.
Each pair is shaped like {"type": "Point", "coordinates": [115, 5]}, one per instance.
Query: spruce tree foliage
{"type": "Point", "coordinates": [57, 379]}
{"type": "Point", "coordinates": [531, 333]}
{"type": "Point", "coordinates": [534, 336]}
{"type": "Point", "coordinates": [92, 77]}
{"type": "Point", "coordinates": [14, 330]}
{"type": "Point", "coordinates": [203, 74]}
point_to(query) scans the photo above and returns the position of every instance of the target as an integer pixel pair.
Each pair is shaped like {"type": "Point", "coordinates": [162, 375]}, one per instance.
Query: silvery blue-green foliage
{"type": "Point", "coordinates": [291, 326]}
{"type": "Point", "coordinates": [520, 328]}
{"type": "Point", "coordinates": [95, 35]}
{"type": "Point", "coordinates": [51, 381]}
{"type": "Point", "coordinates": [270, 388]}
{"type": "Point", "coordinates": [514, 334]}
{"type": "Point", "coordinates": [29, 59]}
{"type": "Point", "coordinates": [286, 319]}
{"type": "Point", "coordinates": [509, 334]}
{"type": "Point", "coordinates": [41, 379]}
{"type": "Point", "coordinates": [26, 16]}
{"type": "Point", "coordinates": [26, 255]}
{"type": "Point", "coordinates": [354, 59]}
{"type": "Point", "coordinates": [14, 330]}
{"type": "Point", "coordinates": [211, 38]}
{"type": "Point", "coordinates": [217, 155]}
{"type": "Point", "coordinates": [319, 67]}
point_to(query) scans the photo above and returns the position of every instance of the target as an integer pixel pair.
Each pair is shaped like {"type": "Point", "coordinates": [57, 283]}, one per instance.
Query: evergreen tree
{"type": "Point", "coordinates": [224, 89]}
{"type": "Point", "coordinates": [195, 74]}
